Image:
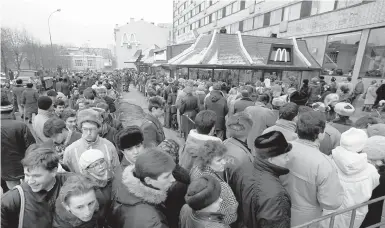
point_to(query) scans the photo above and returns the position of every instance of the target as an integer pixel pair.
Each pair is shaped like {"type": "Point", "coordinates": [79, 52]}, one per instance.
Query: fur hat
{"type": "Point", "coordinates": [217, 86]}
{"type": "Point", "coordinates": [89, 115]}
{"type": "Point", "coordinates": [376, 129]}
{"type": "Point", "coordinates": [297, 98]}
{"type": "Point", "coordinates": [44, 102]}
{"type": "Point", "coordinates": [374, 148]}
{"type": "Point", "coordinates": [353, 140]}
{"type": "Point", "coordinates": [272, 144]}
{"type": "Point", "coordinates": [129, 137]}
{"type": "Point", "coordinates": [88, 157]}
{"type": "Point", "coordinates": [344, 109]}
{"type": "Point", "coordinates": [239, 125]}
{"type": "Point", "coordinates": [203, 192]}
{"type": "Point", "coordinates": [51, 93]}
{"type": "Point", "coordinates": [331, 98]}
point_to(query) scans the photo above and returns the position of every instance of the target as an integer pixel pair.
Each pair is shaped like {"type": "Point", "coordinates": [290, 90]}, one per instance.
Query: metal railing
{"type": "Point", "coordinates": [353, 210]}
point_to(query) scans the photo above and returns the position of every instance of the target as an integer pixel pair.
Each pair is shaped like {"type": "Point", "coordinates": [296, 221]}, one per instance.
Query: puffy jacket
{"type": "Point", "coordinates": [193, 219]}
{"type": "Point", "coordinates": [137, 205]}
{"type": "Point", "coordinates": [217, 103]}
{"type": "Point", "coordinates": [355, 173]}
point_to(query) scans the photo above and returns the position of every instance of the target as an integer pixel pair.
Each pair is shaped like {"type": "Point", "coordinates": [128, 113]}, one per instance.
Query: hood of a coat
{"type": "Point", "coordinates": [349, 162]}
{"type": "Point", "coordinates": [139, 192]}
{"type": "Point", "coordinates": [215, 95]}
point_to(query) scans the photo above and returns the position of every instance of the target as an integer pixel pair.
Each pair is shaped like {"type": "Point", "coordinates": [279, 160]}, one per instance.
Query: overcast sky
{"type": "Point", "coordinates": [81, 21]}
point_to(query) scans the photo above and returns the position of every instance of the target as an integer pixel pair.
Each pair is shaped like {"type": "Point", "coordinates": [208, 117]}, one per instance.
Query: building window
{"type": "Point", "coordinates": [292, 12]}
{"type": "Point", "coordinates": [276, 17]}
{"type": "Point", "coordinates": [266, 19]}
{"type": "Point", "coordinates": [228, 10]}
{"type": "Point", "coordinates": [191, 26]}
{"type": "Point", "coordinates": [340, 54]}
{"type": "Point", "coordinates": [373, 63]}
{"type": "Point", "coordinates": [90, 63]}
{"type": "Point", "coordinates": [258, 21]}
{"type": "Point", "coordinates": [320, 6]}
{"type": "Point", "coordinates": [220, 13]}
{"type": "Point", "coordinates": [248, 3]}
{"type": "Point", "coordinates": [234, 27]}
{"type": "Point", "coordinates": [306, 9]}
{"type": "Point", "coordinates": [241, 26]}
{"type": "Point", "coordinates": [207, 20]}
{"type": "Point", "coordinates": [202, 22]}
{"type": "Point", "coordinates": [281, 55]}
{"type": "Point", "coordinates": [248, 24]}
{"type": "Point", "coordinates": [242, 5]}
{"type": "Point", "coordinates": [78, 62]}
{"type": "Point", "coordinates": [236, 6]}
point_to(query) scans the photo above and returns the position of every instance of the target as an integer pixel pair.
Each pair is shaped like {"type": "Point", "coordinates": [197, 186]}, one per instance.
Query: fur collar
{"type": "Point", "coordinates": [141, 191]}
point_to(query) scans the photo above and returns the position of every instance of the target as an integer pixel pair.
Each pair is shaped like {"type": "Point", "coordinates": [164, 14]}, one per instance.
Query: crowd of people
{"type": "Point", "coordinates": [269, 154]}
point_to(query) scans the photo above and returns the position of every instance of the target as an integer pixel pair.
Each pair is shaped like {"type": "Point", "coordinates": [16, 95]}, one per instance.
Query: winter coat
{"type": "Point", "coordinates": [137, 205]}
{"type": "Point", "coordinates": [73, 152]}
{"type": "Point", "coordinates": [196, 219]}
{"type": "Point", "coordinates": [370, 95]}
{"type": "Point", "coordinates": [190, 150]}
{"type": "Point", "coordinates": [276, 90]}
{"type": "Point", "coordinates": [217, 103]}
{"type": "Point", "coordinates": [201, 99]}
{"type": "Point", "coordinates": [180, 95]}
{"type": "Point", "coordinates": [313, 183]}
{"type": "Point", "coordinates": [359, 88]}
{"type": "Point", "coordinates": [263, 201]}
{"type": "Point", "coordinates": [333, 87]}
{"type": "Point", "coordinates": [331, 139]}
{"type": "Point", "coordinates": [342, 125]}
{"type": "Point", "coordinates": [65, 88]}
{"type": "Point", "coordinates": [189, 106]}
{"type": "Point", "coordinates": [111, 103]}
{"type": "Point", "coordinates": [241, 104]}
{"type": "Point", "coordinates": [375, 209]}
{"type": "Point", "coordinates": [380, 93]}
{"type": "Point", "coordinates": [38, 124]}
{"type": "Point", "coordinates": [39, 206]}
{"type": "Point", "coordinates": [29, 99]}
{"type": "Point", "coordinates": [286, 127]}
{"type": "Point", "coordinates": [115, 123]}
{"type": "Point", "coordinates": [229, 204]}
{"type": "Point", "coordinates": [262, 118]}
{"type": "Point", "coordinates": [16, 137]}
{"type": "Point", "coordinates": [355, 173]}
{"type": "Point", "coordinates": [238, 150]}
{"type": "Point", "coordinates": [314, 93]}
{"type": "Point", "coordinates": [17, 91]}
{"type": "Point", "coordinates": [153, 133]}
{"type": "Point", "coordinates": [58, 86]}
{"type": "Point", "coordinates": [108, 133]}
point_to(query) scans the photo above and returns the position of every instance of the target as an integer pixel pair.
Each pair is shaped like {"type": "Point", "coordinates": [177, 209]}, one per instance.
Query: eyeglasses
{"type": "Point", "coordinates": [99, 163]}
{"type": "Point", "coordinates": [89, 129]}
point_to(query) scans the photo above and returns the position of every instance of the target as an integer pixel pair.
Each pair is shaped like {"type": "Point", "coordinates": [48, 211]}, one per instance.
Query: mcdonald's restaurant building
{"type": "Point", "coordinates": [345, 37]}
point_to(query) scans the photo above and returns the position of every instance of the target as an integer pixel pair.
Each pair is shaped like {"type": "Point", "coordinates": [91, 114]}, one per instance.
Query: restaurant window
{"type": "Point", "coordinates": [210, 18]}
{"type": "Point", "coordinates": [276, 17]}
{"type": "Point", "coordinates": [78, 62]}
{"type": "Point", "coordinates": [340, 54]}
{"type": "Point", "coordinates": [258, 21]}
{"type": "Point", "coordinates": [229, 10]}
{"type": "Point", "coordinates": [266, 19]}
{"type": "Point", "coordinates": [202, 22]}
{"type": "Point", "coordinates": [292, 12]}
{"type": "Point", "coordinates": [248, 24]}
{"type": "Point", "coordinates": [373, 63]}
{"type": "Point", "coordinates": [242, 5]}
{"type": "Point", "coordinates": [306, 9]}
{"type": "Point", "coordinates": [240, 26]}
{"type": "Point", "coordinates": [213, 16]}
{"type": "Point", "coordinates": [89, 63]}
{"type": "Point", "coordinates": [320, 6]}
{"type": "Point", "coordinates": [191, 26]}
{"type": "Point", "coordinates": [281, 55]}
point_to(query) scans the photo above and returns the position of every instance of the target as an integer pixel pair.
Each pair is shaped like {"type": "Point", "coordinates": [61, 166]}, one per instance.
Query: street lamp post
{"type": "Point", "coordinates": [49, 30]}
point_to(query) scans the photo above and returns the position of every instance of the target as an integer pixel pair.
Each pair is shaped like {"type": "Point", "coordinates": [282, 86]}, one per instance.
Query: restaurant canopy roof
{"type": "Point", "coordinates": [220, 50]}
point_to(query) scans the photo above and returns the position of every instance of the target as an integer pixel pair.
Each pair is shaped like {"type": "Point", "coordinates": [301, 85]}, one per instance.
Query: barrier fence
{"type": "Point", "coordinates": [353, 211]}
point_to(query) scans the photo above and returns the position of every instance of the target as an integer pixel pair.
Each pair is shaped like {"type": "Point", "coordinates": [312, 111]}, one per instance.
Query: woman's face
{"type": "Point", "coordinates": [218, 163]}
{"type": "Point", "coordinates": [98, 168]}
{"type": "Point", "coordinates": [132, 153]}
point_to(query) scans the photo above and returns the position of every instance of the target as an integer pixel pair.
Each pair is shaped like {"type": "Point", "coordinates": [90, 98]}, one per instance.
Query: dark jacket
{"type": "Point", "coordinates": [58, 86]}
{"type": "Point", "coordinates": [194, 219]}
{"type": "Point", "coordinates": [17, 91]}
{"type": "Point", "coordinates": [115, 123]}
{"type": "Point", "coordinates": [241, 104]}
{"type": "Point", "coordinates": [65, 88]}
{"type": "Point", "coordinates": [15, 139]}
{"type": "Point", "coordinates": [108, 133]}
{"type": "Point", "coordinates": [137, 205]}
{"type": "Point", "coordinates": [375, 209]}
{"type": "Point", "coordinates": [29, 100]}
{"type": "Point", "coordinates": [39, 206]}
{"type": "Point", "coordinates": [314, 93]}
{"type": "Point", "coordinates": [217, 103]}
{"type": "Point", "coordinates": [153, 133]}
{"type": "Point", "coordinates": [189, 106]}
{"type": "Point", "coordinates": [342, 125]}
{"type": "Point", "coordinates": [111, 103]}
{"type": "Point", "coordinates": [263, 201]}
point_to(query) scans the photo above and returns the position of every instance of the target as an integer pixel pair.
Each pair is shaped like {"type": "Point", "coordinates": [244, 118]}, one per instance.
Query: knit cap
{"type": "Point", "coordinates": [88, 157]}
{"type": "Point", "coordinates": [375, 148]}
{"type": "Point", "coordinates": [353, 140]}
{"type": "Point", "coordinates": [203, 192]}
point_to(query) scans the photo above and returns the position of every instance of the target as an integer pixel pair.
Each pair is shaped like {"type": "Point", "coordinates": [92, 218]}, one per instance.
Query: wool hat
{"type": "Point", "coordinates": [279, 101]}
{"type": "Point", "coordinates": [6, 107]}
{"type": "Point", "coordinates": [353, 140]}
{"type": "Point", "coordinates": [344, 109]}
{"type": "Point", "coordinates": [374, 148]}
{"type": "Point", "coordinates": [89, 115]}
{"type": "Point", "coordinates": [297, 98]}
{"type": "Point", "coordinates": [129, 137]}
{"type": "Point", "coordinates": [239, 125]}
{"type": "Point", "coordinates": [88, 157]}
{"type": "Point", "coordinates": [376, 129]}
{"type": "Point", "coordinates": [44, 102]}
{"type": "Point", "coordinates": [203, 192]}
{"type": "Point", "coordinates": [272, 144]}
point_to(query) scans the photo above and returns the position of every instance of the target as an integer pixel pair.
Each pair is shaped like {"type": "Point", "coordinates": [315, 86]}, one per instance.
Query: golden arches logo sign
{"type": "Point", "coordinates": [281, 52]}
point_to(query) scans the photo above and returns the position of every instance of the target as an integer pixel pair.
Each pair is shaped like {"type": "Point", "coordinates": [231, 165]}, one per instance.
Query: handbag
{"type": "Point", "coordinates": [22, 205]}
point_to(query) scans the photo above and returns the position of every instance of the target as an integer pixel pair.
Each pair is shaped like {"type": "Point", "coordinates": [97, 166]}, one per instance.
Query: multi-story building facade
{"type": "Point", "coordinates": [346, 37]}
{"type": "Point", "coordinates": [138, 36]}
{"type": "Point", "coordinates": [84, 58]}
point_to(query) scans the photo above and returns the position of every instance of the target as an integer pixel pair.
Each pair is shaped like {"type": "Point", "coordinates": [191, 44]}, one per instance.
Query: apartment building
{"type": "Point", "coordinates": [344, 36]}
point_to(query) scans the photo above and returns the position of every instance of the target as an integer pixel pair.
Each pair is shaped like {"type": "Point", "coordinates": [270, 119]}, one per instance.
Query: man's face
{"type": "Point", "coordinates": [39, 178]}
{"type": "Point", "coordinates": [82, 106]}
{"type": "Point", "coordinates": [89, 131]}
{"type": "Point", "coordinates": [76, 92]}
{"type": "Point", "coordinates": [71, 123]}
{"type": "Point", "coordinates": [157, 112]}
{"type": "Point", "coordinates": [132, 153]}
{"type": "Point", "coordinates": [82, 206]}
{"type": "Point", "coordinates": [102, 94]}
{"type": "Point", "coordinates": [59, 109]}
{"type": "Point", "coordinates": [163, 182]}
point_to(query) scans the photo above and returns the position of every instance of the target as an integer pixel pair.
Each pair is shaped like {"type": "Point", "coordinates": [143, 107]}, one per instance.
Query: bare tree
{"type": "Point", "coordinates": [15, 39]}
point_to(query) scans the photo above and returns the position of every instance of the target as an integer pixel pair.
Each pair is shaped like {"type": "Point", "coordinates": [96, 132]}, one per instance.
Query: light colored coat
{"type": "Point", "coordinates": [286, 127]}
{"type": "Point", "coordinates": [38, 124]}
{"type": "Point", "coordinates": [235, 150]}
{"type": "Point", "coordinates": [370, 95]}
{"type": "Point", "coordinates": [313, 182]}
{"type": "Point", "coordinates": [359, 179]}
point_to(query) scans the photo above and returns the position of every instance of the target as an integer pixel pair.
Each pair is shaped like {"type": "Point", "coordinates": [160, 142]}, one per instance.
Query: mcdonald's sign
{"type": "Point", "coordinates": [280, 54]}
